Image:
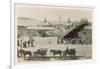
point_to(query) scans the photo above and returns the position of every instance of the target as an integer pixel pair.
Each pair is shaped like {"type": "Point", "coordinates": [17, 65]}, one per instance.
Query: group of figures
{"type": "Point", "coordinates": [28, 43]}
{"type": "Point", "coordinates": [42, 52]}
{"type": "Point", "coordinates": [70, 41]}
{"type": "Point", "coordinates": [74, 41]}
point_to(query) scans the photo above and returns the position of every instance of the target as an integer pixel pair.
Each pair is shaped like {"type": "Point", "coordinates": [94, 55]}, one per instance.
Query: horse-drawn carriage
{"type": "Point", "coordinates": [67, 52]}
{"type": "Point", "coordinates": [39, 53]}
{"type": "Point", "coordinates": [42, 52]}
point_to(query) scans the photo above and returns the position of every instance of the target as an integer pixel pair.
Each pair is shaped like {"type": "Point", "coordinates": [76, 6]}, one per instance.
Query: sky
{"type": "Point", "coordinates": [52, 13]}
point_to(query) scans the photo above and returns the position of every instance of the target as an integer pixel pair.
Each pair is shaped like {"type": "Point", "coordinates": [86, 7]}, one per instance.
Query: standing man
{"type": "Point", "coordinates": [58, 40]}
{"type": "Point", "coordinates": [28, 43]}
{"type": "Point", "coordinates": [32, 41]}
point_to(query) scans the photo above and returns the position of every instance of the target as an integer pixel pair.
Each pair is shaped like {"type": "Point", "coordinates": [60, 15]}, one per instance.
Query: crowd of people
{"type": "Point", "coordinates": [73, 41]}
{"type": "Point", "coordinates": [24, 43]}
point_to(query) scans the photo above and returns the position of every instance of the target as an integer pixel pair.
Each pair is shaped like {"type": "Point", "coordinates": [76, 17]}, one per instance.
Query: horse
{"type": "Point", "coordinates": [70, 52]}
{"type": "Point", "coordinates": [54, 52]}
{"type": "Point", "coordinates": [40, 52]}
{"type": "Point", "coordinates": [23, 52]}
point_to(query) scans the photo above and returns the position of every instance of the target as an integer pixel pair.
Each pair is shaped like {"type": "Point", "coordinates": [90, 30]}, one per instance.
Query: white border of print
{"type": "Point", "coordinates": [43, 64]}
